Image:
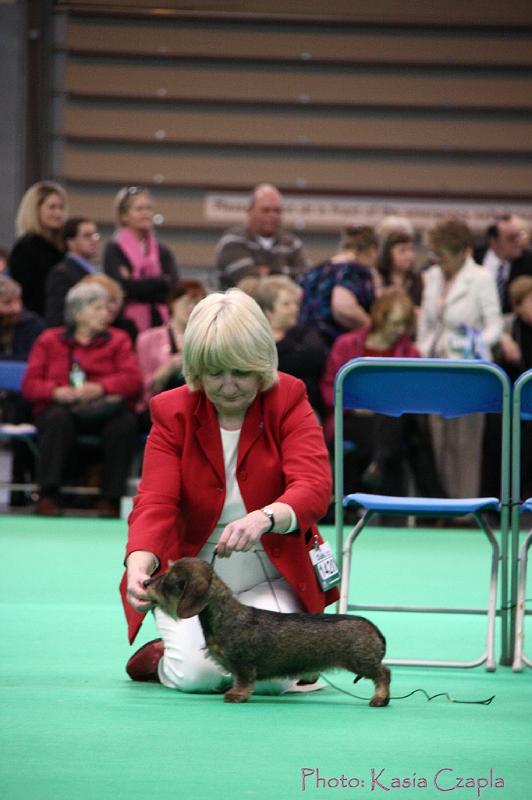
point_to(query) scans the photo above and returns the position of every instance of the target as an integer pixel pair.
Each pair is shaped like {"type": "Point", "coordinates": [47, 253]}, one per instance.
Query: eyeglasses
{"type": "Point", "coordinates": [132, 190]}
{"type": "Point", "coordinates": [94, 236]}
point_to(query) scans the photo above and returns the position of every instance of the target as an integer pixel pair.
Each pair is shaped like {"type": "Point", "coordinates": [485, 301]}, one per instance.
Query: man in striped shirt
{"type": "Point", "coordinates": [261, 247]}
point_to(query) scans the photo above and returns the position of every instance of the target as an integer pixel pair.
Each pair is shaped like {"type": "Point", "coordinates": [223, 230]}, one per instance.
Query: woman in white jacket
{"type": "Point", "coordinates": [460, 318]}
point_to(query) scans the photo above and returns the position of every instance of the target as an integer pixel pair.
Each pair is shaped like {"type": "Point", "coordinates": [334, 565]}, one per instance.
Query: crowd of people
{"type": "Point", "coordinates": [101, 340]}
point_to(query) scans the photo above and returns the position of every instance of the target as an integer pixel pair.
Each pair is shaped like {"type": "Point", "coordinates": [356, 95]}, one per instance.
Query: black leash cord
{"type": "Point", "coordinates": [429, 697]}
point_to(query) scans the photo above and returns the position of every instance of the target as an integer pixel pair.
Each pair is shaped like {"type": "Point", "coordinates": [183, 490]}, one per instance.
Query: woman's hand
{"type": "Point", "coordinates": [65, 394]}
{"type": "Point", "coordinates": [242, 534]}
{"type": "Point", "coordinates": [510, 349]}
{"type": "Point", "coordinates": [90, 391]}
{"type": "Point", "coordinates": [140, 567]}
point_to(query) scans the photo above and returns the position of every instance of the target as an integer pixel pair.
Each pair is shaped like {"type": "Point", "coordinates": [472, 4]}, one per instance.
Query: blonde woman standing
{"type": "Point", "coordinates": [145, 268]}
{"type": "Point", "coordinates": [40, 219]}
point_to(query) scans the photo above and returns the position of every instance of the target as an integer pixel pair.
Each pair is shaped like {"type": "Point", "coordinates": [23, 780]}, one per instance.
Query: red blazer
{"type": "Point", "coordinates": [282, 457]}
{"type": "Point", "coordinates": [109, 359]}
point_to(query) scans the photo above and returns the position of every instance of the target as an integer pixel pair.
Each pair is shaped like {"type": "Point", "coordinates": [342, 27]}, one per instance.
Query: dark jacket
{"type": "Point", "coordinates": [303, 354]}
{"type": "Point", "coordinates": [30, 262]}
{"type": "Point", "coordinates": [26, 331]}
{"type": "Point", "coordinates": [61, 278]}
{"type": "Point", "coordinates": [519, 266]}
{"type": "Point", "coordinates": [143, 290]}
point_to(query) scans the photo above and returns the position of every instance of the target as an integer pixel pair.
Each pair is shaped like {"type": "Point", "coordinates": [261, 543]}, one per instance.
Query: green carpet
{"type": "Point", "coordinates": [73, 727]}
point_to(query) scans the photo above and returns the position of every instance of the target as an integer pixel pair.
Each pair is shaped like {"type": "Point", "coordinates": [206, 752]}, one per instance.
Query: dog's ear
{"type": "Point", "coordinates": [195, 595]}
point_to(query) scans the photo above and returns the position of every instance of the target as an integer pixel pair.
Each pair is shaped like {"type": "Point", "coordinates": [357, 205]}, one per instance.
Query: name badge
{"type": "Point", "coordinates": [325, 566]}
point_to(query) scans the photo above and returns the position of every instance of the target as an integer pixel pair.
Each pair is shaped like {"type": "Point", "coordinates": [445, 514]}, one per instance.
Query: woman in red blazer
{"type": "Point", "coordinates": [235, 461]}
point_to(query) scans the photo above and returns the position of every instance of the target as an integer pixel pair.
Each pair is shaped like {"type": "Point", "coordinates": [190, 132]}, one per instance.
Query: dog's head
{"type": "Point", "coordinates": [183, 591]}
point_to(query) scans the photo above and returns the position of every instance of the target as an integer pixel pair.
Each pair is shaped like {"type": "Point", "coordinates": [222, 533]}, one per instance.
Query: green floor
{"type": "Point", "coordinates": [73, 727]}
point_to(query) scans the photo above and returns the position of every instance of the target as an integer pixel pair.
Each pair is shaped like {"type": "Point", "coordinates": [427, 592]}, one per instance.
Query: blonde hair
{"type": "Point", "coordinates": [390, 298]}
{"type": "Point", "coordinates": [269, 289]}
{"type": "Point", "coordinates": [112, 287]}
{"type": "Point", "coordinates": [519, 288]}
{"type": "Point", "coordinates": [228, 331]}
{"type": "Point", "coordinates": [124, 198]}
{"type": "Point", "coordinates": [27, 219]}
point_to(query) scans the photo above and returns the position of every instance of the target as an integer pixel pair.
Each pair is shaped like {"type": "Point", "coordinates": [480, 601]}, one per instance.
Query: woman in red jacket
{"type": "Point", "coordinates": [235, 461]}
{"type": "Point", "coordinates": [83, 378]}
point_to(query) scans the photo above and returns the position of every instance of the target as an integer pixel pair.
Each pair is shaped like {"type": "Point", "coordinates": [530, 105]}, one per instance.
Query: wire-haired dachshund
{"type": "Point", "coordinates": [253, 644]}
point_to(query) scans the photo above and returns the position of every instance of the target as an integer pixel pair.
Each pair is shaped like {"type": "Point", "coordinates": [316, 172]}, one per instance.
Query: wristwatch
{"type": "Point", "coordinates": [269, 513]}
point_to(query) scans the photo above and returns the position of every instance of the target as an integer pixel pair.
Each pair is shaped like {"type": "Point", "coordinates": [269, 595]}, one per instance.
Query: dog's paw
{"type": "Point", "coordinates": [379, 702]}
{"type": "Point", "coordinates": [236, 696]}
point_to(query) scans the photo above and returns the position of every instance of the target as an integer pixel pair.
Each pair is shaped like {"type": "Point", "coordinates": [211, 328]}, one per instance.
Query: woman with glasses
{"type": "Point", "coordinates": [145, 268]}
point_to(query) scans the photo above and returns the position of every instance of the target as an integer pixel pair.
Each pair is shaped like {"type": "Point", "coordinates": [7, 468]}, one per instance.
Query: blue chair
{"type": "Point", "coordinates": [521, 412]}
{"type": "Point", "coordinates": [11, 375]}
{"type": "Point", "coordinates": [451, 388]}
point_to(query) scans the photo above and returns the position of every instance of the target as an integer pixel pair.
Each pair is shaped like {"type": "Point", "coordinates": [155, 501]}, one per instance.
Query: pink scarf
{"type": "Point", "coordinates": [145, 263]}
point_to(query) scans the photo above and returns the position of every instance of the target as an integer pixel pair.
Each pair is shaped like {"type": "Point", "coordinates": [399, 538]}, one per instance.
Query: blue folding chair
{"type": "Point", "coordinates": [451, 388]}
{"type": "Point", "coordinates": [11, 375]}
{"type": "Point", "coordinates": [521, 412]}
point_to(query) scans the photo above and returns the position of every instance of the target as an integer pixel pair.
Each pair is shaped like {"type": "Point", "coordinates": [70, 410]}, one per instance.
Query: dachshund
{"type": "Point", "coordinates": [253, 644]}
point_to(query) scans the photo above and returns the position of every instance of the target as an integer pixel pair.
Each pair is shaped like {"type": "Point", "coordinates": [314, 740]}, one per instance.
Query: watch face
{"type": "Point", "coordinates": [269, 514]}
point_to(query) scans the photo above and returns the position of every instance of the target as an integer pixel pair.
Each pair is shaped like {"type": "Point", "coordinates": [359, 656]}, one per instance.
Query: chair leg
{"type": "Point", "coordinates": [492, 599]}
{"type": "Point", "coordinates": [346, 561]}
{"type": "Point", "coordinates": [520, 611]}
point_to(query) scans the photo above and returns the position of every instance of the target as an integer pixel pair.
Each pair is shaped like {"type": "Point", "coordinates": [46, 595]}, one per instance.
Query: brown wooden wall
{"type": "Point", "coordinates": [374, 100]}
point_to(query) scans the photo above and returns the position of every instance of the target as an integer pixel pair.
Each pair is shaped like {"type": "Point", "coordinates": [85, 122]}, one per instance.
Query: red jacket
{"type": "Point", "coordinates": [109, 359]}
{"type": "Point", "coordinates": [347, 346]}
{"type": "Point", "coordinates": [281, 457]}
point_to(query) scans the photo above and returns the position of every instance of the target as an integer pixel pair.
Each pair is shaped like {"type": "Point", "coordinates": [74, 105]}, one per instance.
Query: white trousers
{"type": "Point", "coordinates": [186, 665]}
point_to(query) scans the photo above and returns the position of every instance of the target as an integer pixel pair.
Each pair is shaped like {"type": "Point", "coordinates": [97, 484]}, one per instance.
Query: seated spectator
{"type": "Point", "coordinates": [337, 294]}
{"type": "Point", "coordinates": [300, 348]}
{"type": "Point", "coordinates": [144, 267]}
{"type": "Point", "coordinates": [40, 218]}
{"type": "Point", "coordinates": [115, 303]}
{"type": "Point", "coordinates": [81, 239]}
{"type": "Point", "coordinates": [160, 350]}
{"type": "Point", "coordinates": [396, 265]}
{"type": "Point", "coordinates": [83, 378]}
{"type": "Point", "coordinates": [262, 246]}
{"type": "Point", "coordinates": [19, 328]}
{"type": "Point", "coordinates": [381, 443]}
{"type": "Point", "coordinates": [460, 318]}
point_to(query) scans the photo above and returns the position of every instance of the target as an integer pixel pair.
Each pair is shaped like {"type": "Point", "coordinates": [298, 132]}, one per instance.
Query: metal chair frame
{"type": "Point", "coordinates": [451, 388]}
{"type": "Point", "coordinates": [521, 411]}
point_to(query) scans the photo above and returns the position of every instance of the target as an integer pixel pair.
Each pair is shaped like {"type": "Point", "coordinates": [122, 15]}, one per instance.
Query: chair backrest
{"type": "Point", "coordinates": [521, 412]}
{"type": "Point", "coordinates": [523, 396]}
{"type": "Point", "coordinates": [396, 386]}
{"type": "Point", "coordinates": [11, 375]}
